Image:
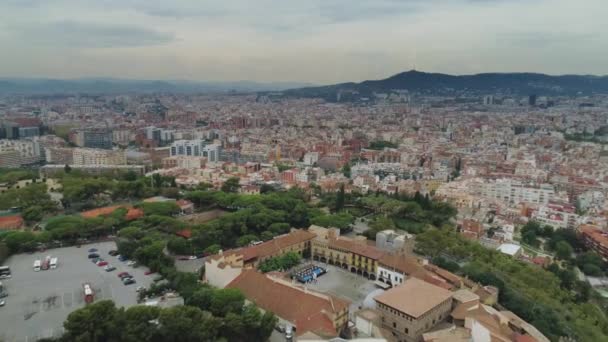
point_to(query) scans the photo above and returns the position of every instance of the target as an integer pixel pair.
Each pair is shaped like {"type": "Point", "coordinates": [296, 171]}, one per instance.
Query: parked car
{"type": "Point", "coordinates": [122, 258]}
{"type": "Point", "coordinates": [102, 263]}
{"type": "Point", "coordinates": [140, 288]}
{"type": "Point", "coordinates": [280, 328]}
{"type": "Point", "coordinates": [2, 303]}
{"type": "Point", "coordinates": [123, 275]}
{"type": "Point", "coordinates": [149, 272]}
{"type": "Point", "coordinates": [110, 268]}
{"type": "Point", "coordinates": [113, 252]}
{"type": "Point", "coordinates": [130, 263]}
{"type": "Point", "coordinates": [93, 255]}
{"type": "Point", "coordinates": [192, 257]}
{"type": "Point", "coordinates": [128, 281]}
{"type": "Point", "coordinates": [3, 294]}
{"type": "Point", "coordinates": [92, 250]}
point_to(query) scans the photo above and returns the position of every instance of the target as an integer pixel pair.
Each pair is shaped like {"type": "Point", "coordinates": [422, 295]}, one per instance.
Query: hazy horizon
{"type": "Point", "coordinates": [317, 42]}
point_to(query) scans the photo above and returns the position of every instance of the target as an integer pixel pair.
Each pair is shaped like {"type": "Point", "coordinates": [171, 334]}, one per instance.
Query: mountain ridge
{"type": "Point", "coordinates": [100, 85]}
{"type": "Point", "coordinates": [523, 83]}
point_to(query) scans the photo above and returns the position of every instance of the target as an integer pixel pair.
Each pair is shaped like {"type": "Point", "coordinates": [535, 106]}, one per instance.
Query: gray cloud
{"type": "Point", "coordinates": [535, 39]}
{"type": "Point", "coordinates": [319, 41]}
{"type": "Point", "coordinates": [78, 34]}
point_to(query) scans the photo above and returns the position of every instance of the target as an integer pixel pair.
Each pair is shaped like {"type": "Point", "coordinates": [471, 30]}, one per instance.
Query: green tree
{"type": "Point", "coordinates": [346, 171]}
{"type": "Point", "coordinates": [100, 321]}
{"type": "Point", "coordinates": [33, 214]}
{"type": "Point", "coordinates": [160, 208]}
{"type": "Point", "coordinates": [250, 325]}
{"type": "Point", "coordinates": [563, 250]}
{"type": "Point", "coordinates": [202, 298]}
{"type": "Point", "coordinates": [139, 323]}
{"type": "Point", "coordinates": [231, 185]}
{"type": "Point", "coordinates": [225, 301]}
{"type": "Point", "coordinates": [340, 198]}
{"type": "Point", "coordinates": [213, 249]}
{"type": "Point", "coordinates": [178, 245]}
{"type": "Point", "coordinates": [187, 324]}
{"type": "Point", "coordinates": [246, 239]}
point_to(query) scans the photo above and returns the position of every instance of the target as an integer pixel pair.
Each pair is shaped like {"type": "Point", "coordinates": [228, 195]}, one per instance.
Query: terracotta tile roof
{"type": "Point", "coordinates": [445, 274]}
{"type": "Point", "coordinates": [11, 222]}
{"type": "Point", "coordinates": [275, 245]}
{"type": "Point", "coordinates": [414, 297]}
{"type": "Point", "coordinates": [366, 250]}
{"type": "Point", "coordinates": [305, 309]}
{"type": "Point", "coordinates": [598, 235]}
{"type": "Point", "coordinates": [401, 263]}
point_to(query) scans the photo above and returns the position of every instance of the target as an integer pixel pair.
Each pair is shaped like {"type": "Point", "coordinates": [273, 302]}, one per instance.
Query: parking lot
{"type": "Point", "coordinates": [343, 284]}
{"type": "Point", "coordinates": [39, 302]}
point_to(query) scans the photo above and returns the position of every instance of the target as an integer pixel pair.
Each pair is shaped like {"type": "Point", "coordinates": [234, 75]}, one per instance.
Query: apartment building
{"type": "Point", "coordinates": [59, 155]}
{"type": "Point", "coordinates": [27, 151]}
{"type": "Point", "coordinates": [197, 148]}
{"type": "Point", "coordinates": [184, 162]}
{"type": "Point", "coordinates": [90, 156]}
{"type": "Point", "coordinates": [514, 191]}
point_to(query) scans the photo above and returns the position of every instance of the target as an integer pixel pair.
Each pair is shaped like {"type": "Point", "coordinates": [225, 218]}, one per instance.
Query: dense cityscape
{"type": "Point", "coordinates": [310, 171]}
{"type": "Point", "coordinates": [401, 217]}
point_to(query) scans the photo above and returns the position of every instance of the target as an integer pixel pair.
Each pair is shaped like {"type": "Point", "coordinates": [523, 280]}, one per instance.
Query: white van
{"type": "Point", "coordinates": [37, 265]}
{"type": "Point", "coordinates": [53, 263]}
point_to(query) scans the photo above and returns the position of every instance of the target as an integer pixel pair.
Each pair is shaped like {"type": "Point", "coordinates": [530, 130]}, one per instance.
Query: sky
{"type": "Point", "coordinates": [315, 41]}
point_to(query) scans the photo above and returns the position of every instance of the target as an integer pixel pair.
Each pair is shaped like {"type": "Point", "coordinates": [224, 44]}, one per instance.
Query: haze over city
{"type": "Point", "coordinates": [314, 41]}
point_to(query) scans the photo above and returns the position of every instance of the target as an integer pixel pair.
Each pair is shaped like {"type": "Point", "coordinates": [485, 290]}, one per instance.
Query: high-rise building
{"type": "Point", "coordinates": [488, 100]}
{"type": "Point", "coordinates": [196, 148]}
{"type": "Point", "coordinates": [532, 100]}
{"type": "Point", "coordinates": [98, 138]}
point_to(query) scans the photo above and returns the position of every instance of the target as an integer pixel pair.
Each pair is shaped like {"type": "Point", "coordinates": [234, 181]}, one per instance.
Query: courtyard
{"type": "Point", "coordinates": [343, 284]}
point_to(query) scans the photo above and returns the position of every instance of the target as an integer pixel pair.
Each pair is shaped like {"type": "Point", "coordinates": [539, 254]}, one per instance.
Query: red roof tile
{"type": "Point", "coordinates": [305, 309]}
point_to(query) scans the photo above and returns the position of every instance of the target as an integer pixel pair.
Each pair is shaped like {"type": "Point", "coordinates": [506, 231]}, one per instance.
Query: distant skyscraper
{"type": "Point", "coordinates": [488, 100]}
{"type": "Point", "coordinates": [532, 100]}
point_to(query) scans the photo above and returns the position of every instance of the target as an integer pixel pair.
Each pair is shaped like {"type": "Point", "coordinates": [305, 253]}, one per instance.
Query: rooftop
{"type": "Point", "coordinates": [307, 310]}
{"type": "Point", "coordinates": [414, 297]}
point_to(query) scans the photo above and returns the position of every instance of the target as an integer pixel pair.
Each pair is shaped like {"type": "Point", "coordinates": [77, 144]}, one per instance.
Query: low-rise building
{"type": "Point", "coordinates": [298, 241]}
{"type": "Point", "coordinates": [413, 308]}
{"type": "Point", "coordinates": [315, 314]}
{"type": "Point", "coordinates": [595, 239]}
{"type": "Point", "coordinates": [355, 254]}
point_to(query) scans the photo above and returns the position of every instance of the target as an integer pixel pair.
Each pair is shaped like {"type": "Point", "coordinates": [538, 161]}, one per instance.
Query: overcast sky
{"type": "Point", "coordinates": [318, 41]}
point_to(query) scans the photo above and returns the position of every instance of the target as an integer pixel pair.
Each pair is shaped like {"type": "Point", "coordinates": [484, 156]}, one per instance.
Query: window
{"type": "Point", "coordinates": [407, 331]}
{"type": "Point", "coordinates": [394, 325]}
